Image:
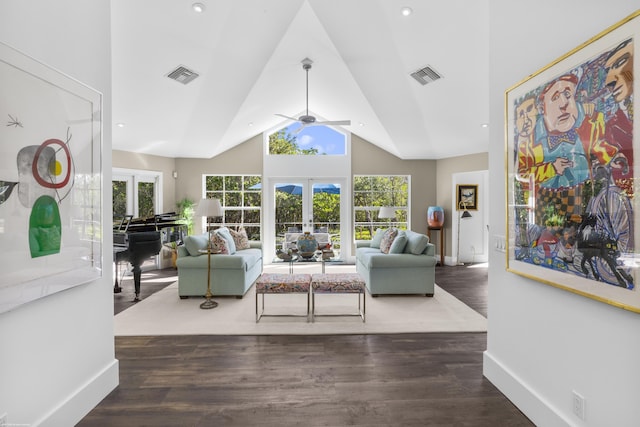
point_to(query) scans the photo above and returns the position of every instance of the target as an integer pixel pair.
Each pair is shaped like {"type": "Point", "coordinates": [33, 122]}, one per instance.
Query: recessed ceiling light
{"type": "Point", "coordinates": [485, 125]}
{"type": "Point", "coordinates": [250, 124]}
{"type": "Point", "coordinates": [198, 7]}
{"type": "Point", "coordinates": [406, 11]}
{"type": "Point", "coordinates": [361, 124]}
{"type": "Point", "coordinates": [120, 125]}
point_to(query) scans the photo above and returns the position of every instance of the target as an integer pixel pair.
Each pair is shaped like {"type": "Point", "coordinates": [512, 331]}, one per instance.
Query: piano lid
{"type": "Point", "coordinates": [130, 224]}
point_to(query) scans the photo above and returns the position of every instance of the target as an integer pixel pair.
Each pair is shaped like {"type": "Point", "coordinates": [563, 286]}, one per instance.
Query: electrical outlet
{"type": "Point", "coordinates": [578, 404]}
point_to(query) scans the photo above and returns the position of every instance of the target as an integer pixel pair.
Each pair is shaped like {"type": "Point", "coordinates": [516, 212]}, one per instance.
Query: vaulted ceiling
{"type": "Point", "coordinates": [248, 56]}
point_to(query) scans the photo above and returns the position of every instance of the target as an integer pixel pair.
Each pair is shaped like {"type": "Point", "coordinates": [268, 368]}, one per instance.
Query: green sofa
{"type": "Point", "coordinates": [409, 267]}
{"type": "Point", "coordinates": [231, 275]}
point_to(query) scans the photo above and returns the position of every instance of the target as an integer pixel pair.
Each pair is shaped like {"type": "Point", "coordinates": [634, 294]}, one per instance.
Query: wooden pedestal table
{"type": "Point", "coordinates": [441, 231]}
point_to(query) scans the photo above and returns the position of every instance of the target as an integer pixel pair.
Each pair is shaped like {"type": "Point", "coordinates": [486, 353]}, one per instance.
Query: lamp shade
{"type": "Point", "coordinates": [386, 212]}
{"type": "Point", "coordinates": [209, 208]}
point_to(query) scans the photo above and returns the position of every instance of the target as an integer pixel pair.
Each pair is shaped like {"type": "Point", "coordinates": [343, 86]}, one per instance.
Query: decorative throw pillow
{"type": "Point", "coordinates": [195, 243]}
{"type": "Point", "coordinates": [240, 238]}
{"type": "Point", "coordinates": [224, 232]}
{"type": "Point", "coordinates": [416, 243]}
{"type": "Point", "coordinates": [387, 240]}
{"type": "Point", "coordinates": [377, 238]}
{"type": "Point", "coordinates": [397, 247]}
{"type": "Point", "coordinates": [219, 244]}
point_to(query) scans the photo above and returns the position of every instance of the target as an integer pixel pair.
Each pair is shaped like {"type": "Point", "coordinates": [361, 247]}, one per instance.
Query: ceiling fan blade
{"type": "Point", "coordinates": [304, 125]}
{"type": "Point", "coordinates": [306, 119]}
{"type": "Point", "coordinates": [287, 117]}
{"type": "Point", "coordinates": [333, 122]}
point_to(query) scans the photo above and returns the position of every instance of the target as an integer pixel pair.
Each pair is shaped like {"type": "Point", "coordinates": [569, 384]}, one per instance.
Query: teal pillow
{"type": "Point", "coordinates": [397, 247]}
{"type": "Point", "coordinates": [377, 238]}
{"type": "Point", "coordinates": [194, 244]}
{"type": "Point", "coordinates": [226, 234]}
{"type": "Point", "coordinates": [416, 242]}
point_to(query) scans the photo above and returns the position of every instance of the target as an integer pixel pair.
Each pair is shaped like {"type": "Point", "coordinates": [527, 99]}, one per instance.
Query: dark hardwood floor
{"type": "Point", "coordinates": [363, 380]}
{"type": "Point", "coordinates": [467, 283]}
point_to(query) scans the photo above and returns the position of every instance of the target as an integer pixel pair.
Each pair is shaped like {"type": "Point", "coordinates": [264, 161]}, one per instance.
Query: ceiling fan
{"type": "Point", "coordinates": [307, 120]}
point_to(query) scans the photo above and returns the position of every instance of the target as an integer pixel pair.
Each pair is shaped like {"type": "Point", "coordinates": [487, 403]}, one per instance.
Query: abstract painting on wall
{"type": "Point", "coordinates": [50, 180]}
{"type": "Point", "coordinates": [572, 216]}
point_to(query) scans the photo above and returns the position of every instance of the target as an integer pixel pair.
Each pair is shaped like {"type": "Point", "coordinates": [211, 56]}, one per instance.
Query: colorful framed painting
{"type": "Point", "coordinates": [572, 217]}
{"type": "Point", "coordinates": [50, 181]}
{"type": "Point", "coordinates": [467, 197]}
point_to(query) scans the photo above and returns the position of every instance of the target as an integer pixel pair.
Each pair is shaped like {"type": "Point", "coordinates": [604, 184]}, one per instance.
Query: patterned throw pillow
{"type": "Point", "coordinates": [219, 244]}
{"type": "Point", "coordinates": [224, 232]}
{"type": "Point", "coordinates": [387, 240]}
{"type": "Point", "coordinates": [240, 238]}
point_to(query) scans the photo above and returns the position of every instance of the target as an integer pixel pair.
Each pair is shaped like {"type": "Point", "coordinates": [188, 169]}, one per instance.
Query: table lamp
{"type": "Point", "coordinates": [209, 208]}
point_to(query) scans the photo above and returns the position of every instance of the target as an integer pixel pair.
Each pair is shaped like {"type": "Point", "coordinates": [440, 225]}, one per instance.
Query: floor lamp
{"type": "Point", "coordinates": [465, 214]}
{"type": "Point", "coordinates": [209, 208]}
{"type": "Point", "coordinates": [387, 212]}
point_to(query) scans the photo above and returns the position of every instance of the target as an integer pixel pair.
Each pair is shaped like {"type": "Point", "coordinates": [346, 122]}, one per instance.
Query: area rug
{"type": "Point", "coordinates": [164, 313]}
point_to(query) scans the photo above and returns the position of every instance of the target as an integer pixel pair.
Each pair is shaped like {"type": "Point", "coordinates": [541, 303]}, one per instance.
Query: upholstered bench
{"type": "Point", "coordinates": [277, 283]}
{"type": "Point", "coordinates": [343, 283]}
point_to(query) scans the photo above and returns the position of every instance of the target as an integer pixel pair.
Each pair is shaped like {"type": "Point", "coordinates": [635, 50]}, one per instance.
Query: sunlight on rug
{"type": "Point", "coordinates": [164, 313]}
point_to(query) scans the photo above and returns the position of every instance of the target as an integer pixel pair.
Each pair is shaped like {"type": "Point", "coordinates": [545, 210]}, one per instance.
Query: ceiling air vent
{"type": "Point", "coordinates": [182, 75]}
{"type": "Point", "coordinates": [426, 75]}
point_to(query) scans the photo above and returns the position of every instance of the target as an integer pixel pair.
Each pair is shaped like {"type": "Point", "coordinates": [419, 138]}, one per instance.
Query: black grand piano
{"type": "Point", "coordinates": [135, 240]}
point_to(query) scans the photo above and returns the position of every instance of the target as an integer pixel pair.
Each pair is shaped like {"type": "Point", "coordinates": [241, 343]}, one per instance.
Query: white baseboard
{"type": "Point", "coordinates": [79, 404]}
{"type": "Point", "coordinates": [533, 405]}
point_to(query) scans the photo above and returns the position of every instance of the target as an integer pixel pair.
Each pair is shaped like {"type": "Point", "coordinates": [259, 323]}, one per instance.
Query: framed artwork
{"type": "Point", "coordinates": [571, 170]}
{"type": "Point", "coordinates": [467, 197]}
{"type": "Point", "coordinates": [50, 180]}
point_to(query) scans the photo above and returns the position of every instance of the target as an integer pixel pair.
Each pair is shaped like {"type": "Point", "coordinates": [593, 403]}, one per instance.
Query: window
{"type": "Point", "coordinates": [136, 192]}
{"type": "Point", "coordinates": [311, 141]}
{"type": "Point", "coordinates": [370, 192]}
{"type": "Point", "coordinates": [241, 200]}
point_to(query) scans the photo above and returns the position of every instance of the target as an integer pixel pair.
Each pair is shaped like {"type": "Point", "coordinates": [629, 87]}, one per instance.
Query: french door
{"type": "Point", "coordinates": [306, 204]}
{"type": "Point", "coordinates": [136, 193]}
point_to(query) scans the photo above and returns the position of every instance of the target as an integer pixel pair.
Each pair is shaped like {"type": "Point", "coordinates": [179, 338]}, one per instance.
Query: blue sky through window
{"type": "Point", "coordinates": [325, 139]}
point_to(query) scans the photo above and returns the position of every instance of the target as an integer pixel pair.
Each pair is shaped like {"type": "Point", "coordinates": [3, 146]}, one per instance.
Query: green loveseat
{"type": "Point", "coordinates": [231, 275]}
{"type": "Point", "coordinates": [409, 267]}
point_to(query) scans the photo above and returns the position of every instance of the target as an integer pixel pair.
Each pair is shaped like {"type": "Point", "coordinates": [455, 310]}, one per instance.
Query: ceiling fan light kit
{"type": "Point", "coordinates": [307, 119]}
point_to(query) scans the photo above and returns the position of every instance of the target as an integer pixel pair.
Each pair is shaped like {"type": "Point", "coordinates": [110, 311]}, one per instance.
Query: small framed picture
{"type": "Point", "coordinates": [467, 197]}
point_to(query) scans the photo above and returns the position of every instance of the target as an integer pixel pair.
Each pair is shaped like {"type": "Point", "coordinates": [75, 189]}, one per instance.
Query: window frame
{"type": "Point", "coordinates": [371, 209]}
{"type": "Point", "coordinates": [254, 229]}
{"type": "Point", "coordinates": [133, 177]}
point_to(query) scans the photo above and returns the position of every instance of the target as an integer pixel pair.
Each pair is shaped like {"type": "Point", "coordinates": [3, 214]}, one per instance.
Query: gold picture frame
{"type": "Point", "coordinates": [569, 154]}
{"type": "Point", "coordinates": [467, 197]}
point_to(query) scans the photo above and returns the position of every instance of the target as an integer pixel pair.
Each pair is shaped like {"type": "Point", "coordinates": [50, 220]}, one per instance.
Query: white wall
{"type": "Point", "coordinates": [57, 353]}
{"type": "Point", "coordinates": [544, 342]}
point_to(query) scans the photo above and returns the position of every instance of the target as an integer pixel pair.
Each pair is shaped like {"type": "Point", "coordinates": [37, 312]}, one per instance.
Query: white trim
{"type": "Point", "coordinates": [535, 406]}
{"type": "Point", "coordinates": [77, 405]}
